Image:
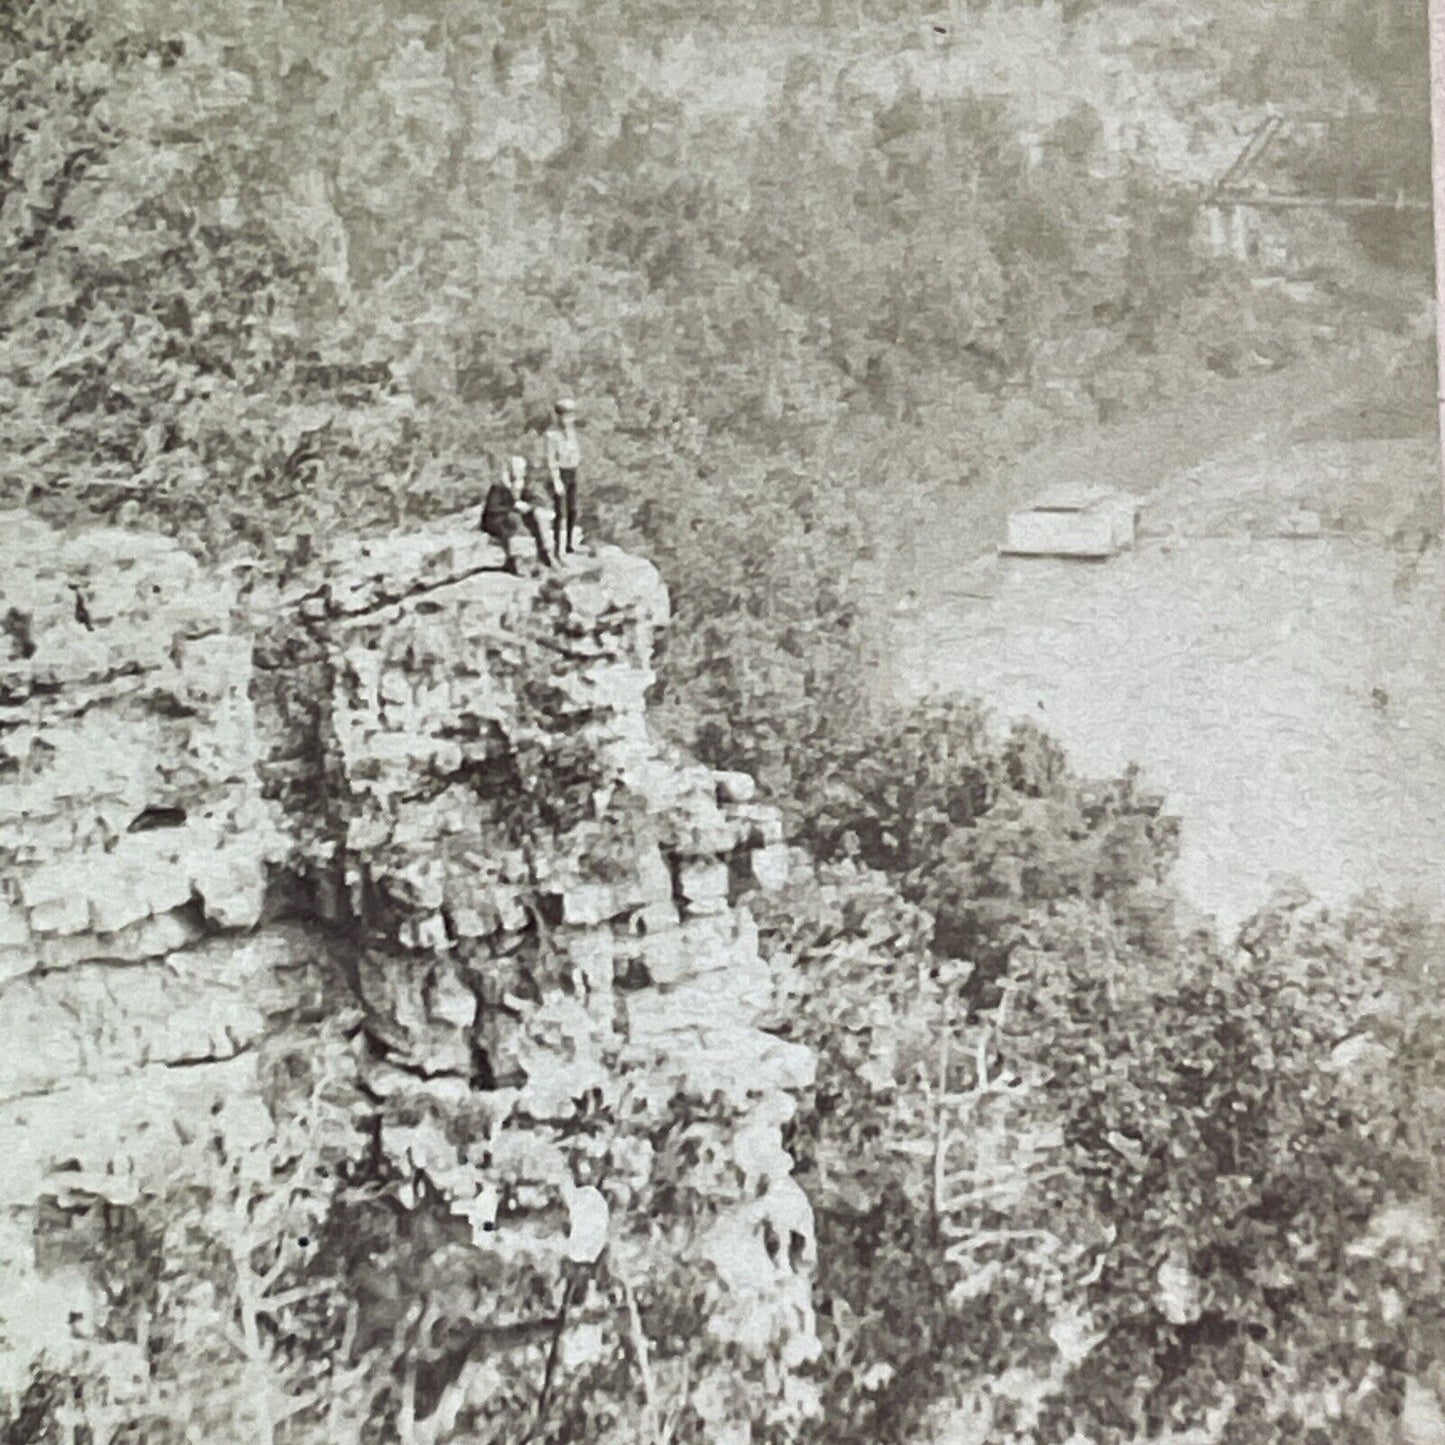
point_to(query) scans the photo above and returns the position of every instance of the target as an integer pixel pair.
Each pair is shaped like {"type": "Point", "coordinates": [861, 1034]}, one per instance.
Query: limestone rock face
{"type": "Point", "coordinates": [135, 845]}
{"type": "Point", "coordinates": [130, 805]}
{"type": "Point", "coordinates": [525, 914]}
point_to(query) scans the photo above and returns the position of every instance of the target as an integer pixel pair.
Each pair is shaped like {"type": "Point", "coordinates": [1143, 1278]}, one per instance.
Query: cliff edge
{"type": "Point", "coordinates": [385, 1037]}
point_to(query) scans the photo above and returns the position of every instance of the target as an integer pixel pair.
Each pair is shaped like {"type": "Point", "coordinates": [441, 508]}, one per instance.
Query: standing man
{"type": "Point", "coordinates": [563, 456]}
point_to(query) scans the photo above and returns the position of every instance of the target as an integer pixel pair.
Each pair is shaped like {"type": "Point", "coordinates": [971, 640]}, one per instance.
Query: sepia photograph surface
{"type": "Point", "coordinates": [721, 723]}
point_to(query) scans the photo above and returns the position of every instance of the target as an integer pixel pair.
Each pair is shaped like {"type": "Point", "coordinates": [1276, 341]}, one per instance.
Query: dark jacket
{"type": "Point", "coordinates": [499, 512]}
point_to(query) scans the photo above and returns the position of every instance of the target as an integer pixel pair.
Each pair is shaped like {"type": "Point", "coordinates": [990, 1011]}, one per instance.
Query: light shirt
{"type": "Point", "coordinates": [562, 448]}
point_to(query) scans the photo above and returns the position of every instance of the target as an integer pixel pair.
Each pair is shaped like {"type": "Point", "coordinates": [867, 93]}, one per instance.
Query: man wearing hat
{"type": "Point", "coordinates": [563, 457]}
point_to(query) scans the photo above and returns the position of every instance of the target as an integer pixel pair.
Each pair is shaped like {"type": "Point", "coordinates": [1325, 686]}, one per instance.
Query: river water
{"type": "Point", "coordinates": [1288, 696]}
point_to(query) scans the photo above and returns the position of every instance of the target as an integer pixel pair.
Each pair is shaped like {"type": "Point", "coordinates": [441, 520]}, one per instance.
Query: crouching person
{"type": "Point", "coordinates": [508, 512]}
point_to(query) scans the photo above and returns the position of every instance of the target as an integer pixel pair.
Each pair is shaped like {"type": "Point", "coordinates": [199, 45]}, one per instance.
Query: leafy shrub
{"type": "Point", "coordinates": [1144, 1181]}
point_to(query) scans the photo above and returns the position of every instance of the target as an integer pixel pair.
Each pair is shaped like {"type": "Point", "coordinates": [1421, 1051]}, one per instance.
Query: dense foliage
{"type": "Point", "coordinates": [1083, 1173]}
{"type": "Point", "coordinates": [288, 270]}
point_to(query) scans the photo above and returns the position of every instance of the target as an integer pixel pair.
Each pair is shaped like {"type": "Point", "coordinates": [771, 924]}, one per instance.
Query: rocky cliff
{"type": "Point", "coordinates": [365, 954]}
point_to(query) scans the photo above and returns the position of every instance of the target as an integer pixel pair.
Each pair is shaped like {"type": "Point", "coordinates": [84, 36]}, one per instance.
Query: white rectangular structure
{"type": "Point", "coordinates": [1074, 521]}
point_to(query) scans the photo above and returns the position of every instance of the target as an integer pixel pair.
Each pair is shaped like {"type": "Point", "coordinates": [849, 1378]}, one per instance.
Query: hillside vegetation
{"type": "Point", "coordinates": [270, 272]}
{"type": "Point", "coordinates": [282, 270]}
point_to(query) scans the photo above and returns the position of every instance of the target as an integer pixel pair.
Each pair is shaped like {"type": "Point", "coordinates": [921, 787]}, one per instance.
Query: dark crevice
{"type": "Point", "coordinates": [158, 817]}
{"type": "Point", "coordinates": [82, 612]}
{"type": "Point", "coordinates": [168, 705]}
{"type": "Point", "coordinates": [194, 1061]}
{"type": "Point", "coordinates": [16, 626]}
{"type": "Point", "coordinates": [392, 599]}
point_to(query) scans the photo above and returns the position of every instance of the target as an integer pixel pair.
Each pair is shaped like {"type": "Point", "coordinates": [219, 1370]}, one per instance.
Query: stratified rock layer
{"type": "Point", "coordinates": [130, 805]}
{"type": "Point", "coordinates": [562, 1012]}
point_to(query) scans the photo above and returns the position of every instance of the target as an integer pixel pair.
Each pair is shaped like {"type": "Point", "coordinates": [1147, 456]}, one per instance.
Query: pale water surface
{"type": "Point", "coordinates": [1288, 696]}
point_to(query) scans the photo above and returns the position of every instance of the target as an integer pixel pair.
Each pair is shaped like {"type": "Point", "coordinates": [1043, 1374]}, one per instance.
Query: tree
{"type": "Point", "coordinates": [1145, 1180]}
